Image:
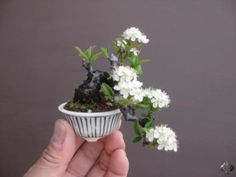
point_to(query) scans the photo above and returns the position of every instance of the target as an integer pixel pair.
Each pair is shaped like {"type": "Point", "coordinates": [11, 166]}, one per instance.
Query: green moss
{"type": "Point", "coordinates": [74, 106]}
{"type": "Point", "coordinates": [78, 107]}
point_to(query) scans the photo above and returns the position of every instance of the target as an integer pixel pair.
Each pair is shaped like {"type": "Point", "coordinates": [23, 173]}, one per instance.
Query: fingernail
{"type": "Point", "coordinates": [59, 133]}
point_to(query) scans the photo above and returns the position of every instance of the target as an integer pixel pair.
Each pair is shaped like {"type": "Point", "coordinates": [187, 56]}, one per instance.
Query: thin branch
{"type": "Point", "coordinates": [87, 66]}
{"type": "Point", "coordinates": [127, 115]}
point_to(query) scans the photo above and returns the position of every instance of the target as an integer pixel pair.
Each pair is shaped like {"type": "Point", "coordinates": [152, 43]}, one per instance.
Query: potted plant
{"type": "Point", "coordinates": [104, 97]}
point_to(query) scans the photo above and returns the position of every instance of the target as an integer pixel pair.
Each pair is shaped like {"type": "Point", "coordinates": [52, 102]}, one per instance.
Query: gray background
{"type": "Point", "coordinates": [193, 57]}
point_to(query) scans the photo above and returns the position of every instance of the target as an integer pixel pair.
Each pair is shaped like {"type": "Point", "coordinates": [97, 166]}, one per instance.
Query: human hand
{"type": "Point", "coordinates": [68, 155]}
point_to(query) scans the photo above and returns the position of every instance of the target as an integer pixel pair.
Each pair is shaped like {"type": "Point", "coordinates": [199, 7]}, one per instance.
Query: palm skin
{"type": "Point", "coordinates": [68, 155]}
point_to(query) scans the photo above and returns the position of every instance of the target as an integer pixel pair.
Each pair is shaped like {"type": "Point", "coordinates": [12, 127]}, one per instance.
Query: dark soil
{"type": "Point", "coordinates": [101, 107]}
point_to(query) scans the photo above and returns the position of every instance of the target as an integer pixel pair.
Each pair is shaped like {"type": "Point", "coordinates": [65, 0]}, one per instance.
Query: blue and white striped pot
{"type": "Point", "coordinates": [92, 125]}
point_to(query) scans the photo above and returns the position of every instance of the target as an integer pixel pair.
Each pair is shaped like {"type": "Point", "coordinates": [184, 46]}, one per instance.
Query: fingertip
{"type": "Point", "coordinates": [59, 133]}
{"type": "Point", "coordinates": [119, 163]}
{"type": "Point", "coordinates": [114, 141]}
{"type": "Point", "coordinates": [63, 122]}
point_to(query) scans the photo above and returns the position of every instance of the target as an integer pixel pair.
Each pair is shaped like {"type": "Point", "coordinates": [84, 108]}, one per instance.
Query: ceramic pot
{"type": "Point", "coordinates": [92, 125]}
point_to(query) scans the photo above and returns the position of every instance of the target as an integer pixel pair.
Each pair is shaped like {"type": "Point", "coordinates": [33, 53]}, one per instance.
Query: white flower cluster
{"type": "Point", "coordinates": [134, 34]}
{"type": "Point", "coordinates": [127, 81]}
{"type": "Point", "coordinates": [158, 97]}
{"type": "Point", "coordinates": [124, 74]}
{"type": "Point", "coordinates": [128, 85]}
{"type": "Point", "coordinates": [121, 43]}
{"type": "Point", "coordinates": [164, 136]}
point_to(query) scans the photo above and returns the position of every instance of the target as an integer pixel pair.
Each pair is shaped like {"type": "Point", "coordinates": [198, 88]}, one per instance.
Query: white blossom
{"type": "Point", "coordinates": [134, 34]}
{"type": "Point", "coordinates": [134, 51]}
{"type": "Point", "coordinates": [129, 88]}
{"type": "Point", "coordinates": [138, 95]}
{"type": "Point", "coordinates": [143, 39]}
{"type": "Point", "coordinates": [150, 135]}
{"type": "Point", "coordinates": [121, 43]}
{"type": "Point", "coordinates": [124, 73]}
{"type": "Point", "coordinates": [164, 136]}
{"type": "Point", "coordinates": [158, 97]}
{"type": "Point", "coordinates": [127, 83]}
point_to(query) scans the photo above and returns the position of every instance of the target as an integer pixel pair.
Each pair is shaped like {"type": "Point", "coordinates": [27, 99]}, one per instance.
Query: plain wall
{"type": "Point", "coordinates": [193, 57]}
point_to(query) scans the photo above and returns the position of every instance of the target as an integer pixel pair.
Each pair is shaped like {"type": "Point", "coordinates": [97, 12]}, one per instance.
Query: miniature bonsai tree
{"type": "Point", "coordinates": [88, 96]}
{"type": "Point", "coordinates": [120, 88]}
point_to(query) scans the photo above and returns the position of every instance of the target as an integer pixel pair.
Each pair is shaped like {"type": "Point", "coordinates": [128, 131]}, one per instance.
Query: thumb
{"type": "Point", "coordinates": [53, 154]}
{"type": "Point", "coordinates": [58, 153]}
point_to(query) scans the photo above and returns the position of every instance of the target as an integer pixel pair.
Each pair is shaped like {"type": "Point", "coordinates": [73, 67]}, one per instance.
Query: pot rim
{"type": "Point", "coordinates": [87, 114]}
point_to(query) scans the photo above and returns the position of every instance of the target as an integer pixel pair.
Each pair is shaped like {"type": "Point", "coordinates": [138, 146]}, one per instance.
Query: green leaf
{"type": "Point", "coordinates": [138, 128]}
{"type": "Point", "coordinates": [115, 47]}
{"type": "Point", "coordinates": [105, 52]}
{"type": "Point", "coordinates": [142, 105]}
{"type": "Point", "coordinates": [124, 102]}
{"type": "Point", "coordinates": [138, 68]}
{"type": "Point", "coordinates": [137, 139]}
{"type": "Point", "coordinates": [94, 57]}
{"type": "Point", "coordinates": [143, 61]}
{"type": "Point", "coordinates": [81, 53]}
{"type": "Point", "coordinates": [133, 60]}
{"type": "Point", "coordinates": [152, 145]}
{"type": "Point", "coordinates": [149, 124]}
{"type": "Point", "coordinates": [107, 90]}
{"type": "Point", "coordinates": [78, 49]}
{"type": "Point", "coordinates": [88, 54]}
{"type": "Point", "coordinates": [89, 51]}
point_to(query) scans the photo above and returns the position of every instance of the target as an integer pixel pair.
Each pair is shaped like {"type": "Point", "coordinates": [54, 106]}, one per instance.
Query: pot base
{"type": "Point", "coordinates": [91, 139]}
